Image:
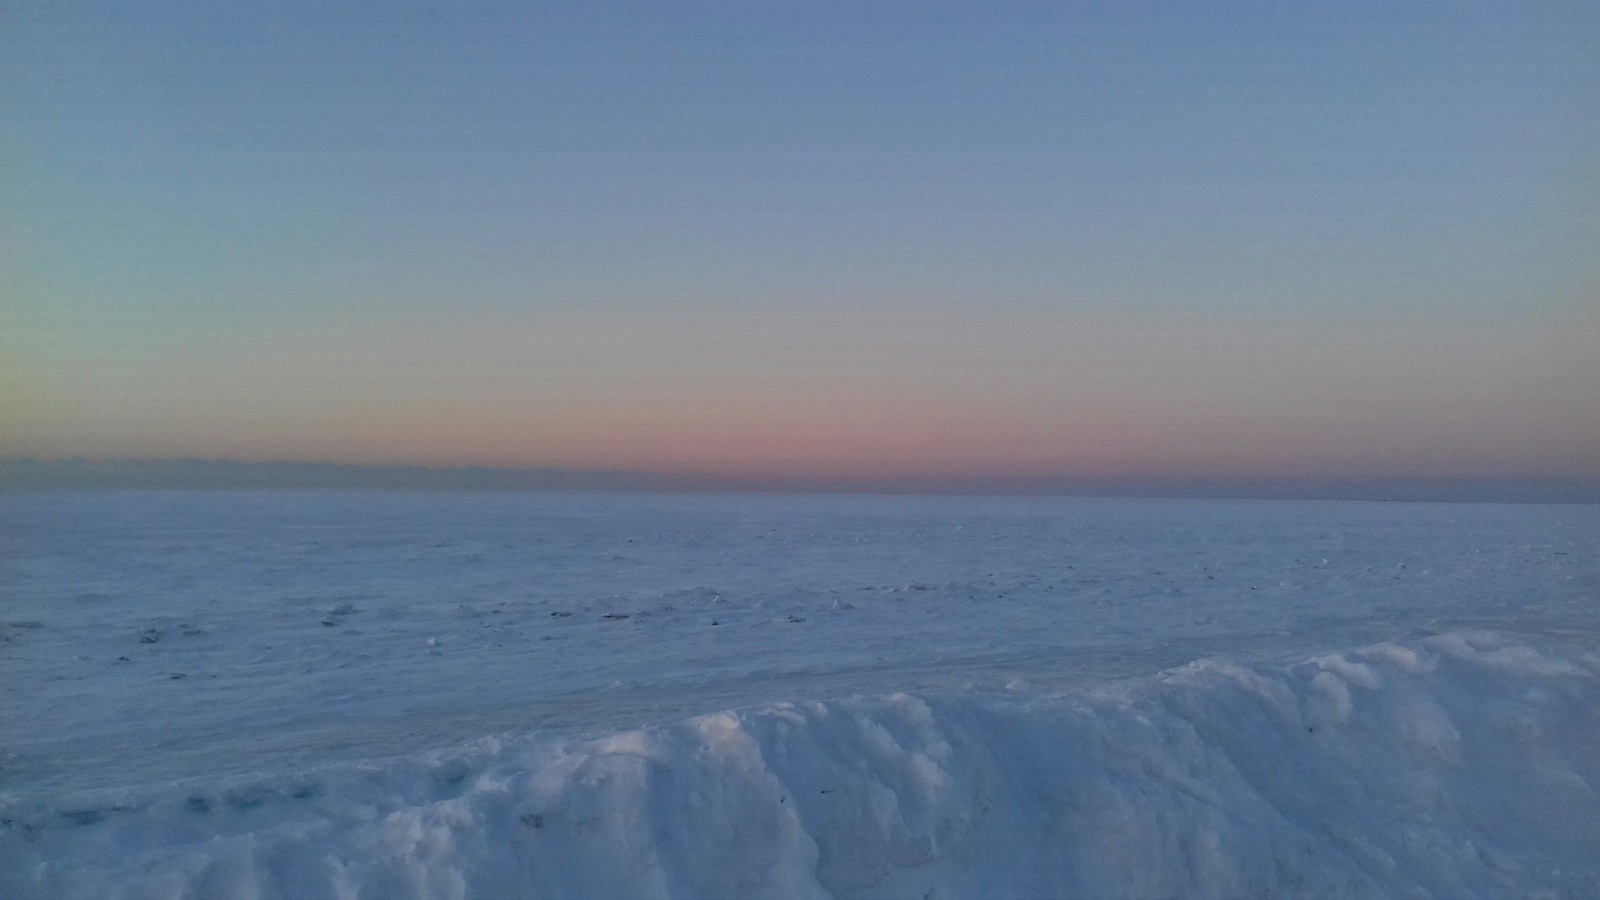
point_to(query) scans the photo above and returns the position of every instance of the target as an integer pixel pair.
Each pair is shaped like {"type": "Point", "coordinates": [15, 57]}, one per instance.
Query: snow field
{"type": "Point", "coordinates": [245, 694]}
{"type": "Point", "coordinates": [147, 637]}
{"type": "Point", "coordinates": [1461, 765]}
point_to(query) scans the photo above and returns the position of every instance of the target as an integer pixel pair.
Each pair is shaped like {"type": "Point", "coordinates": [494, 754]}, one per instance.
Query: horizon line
{"type": "Point", "coordinates": [190, 472]}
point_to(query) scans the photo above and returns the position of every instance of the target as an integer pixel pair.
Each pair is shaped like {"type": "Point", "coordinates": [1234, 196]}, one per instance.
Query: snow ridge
{"type": "Point", "coordinates": [1462, 765]}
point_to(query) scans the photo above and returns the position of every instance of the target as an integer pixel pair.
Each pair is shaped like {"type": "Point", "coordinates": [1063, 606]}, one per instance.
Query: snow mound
{"type": "Point", "coordinates": [1463, 765]}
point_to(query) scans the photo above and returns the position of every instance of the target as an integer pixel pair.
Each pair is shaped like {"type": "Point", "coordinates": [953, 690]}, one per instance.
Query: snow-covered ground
{"type": "Point", "coordinates": [368, 694]}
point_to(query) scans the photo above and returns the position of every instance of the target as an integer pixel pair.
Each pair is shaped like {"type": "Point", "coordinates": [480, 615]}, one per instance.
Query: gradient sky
{"type": "Point", "coordinates": [843, 241]}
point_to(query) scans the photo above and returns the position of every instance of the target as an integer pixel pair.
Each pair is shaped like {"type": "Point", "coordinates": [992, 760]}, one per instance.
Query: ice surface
{"type": "Point", "coordinates": [1005, 729]}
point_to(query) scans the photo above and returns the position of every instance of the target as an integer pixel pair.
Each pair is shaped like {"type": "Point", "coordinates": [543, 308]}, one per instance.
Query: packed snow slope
{"type": "Point", "coordinates": [237, 694]}
{"type": "Point", "coordinates": [1463, 765]}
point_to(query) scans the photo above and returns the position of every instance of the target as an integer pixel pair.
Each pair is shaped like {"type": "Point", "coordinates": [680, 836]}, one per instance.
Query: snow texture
{"type": "Point", "coordinates": [1016, 712]}
{"type": "Point", "coordinates": [1459, 766]}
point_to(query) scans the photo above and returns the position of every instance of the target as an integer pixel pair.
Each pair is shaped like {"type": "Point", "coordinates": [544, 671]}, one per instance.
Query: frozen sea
{"type": "Point", "coordinates": [433, 694]}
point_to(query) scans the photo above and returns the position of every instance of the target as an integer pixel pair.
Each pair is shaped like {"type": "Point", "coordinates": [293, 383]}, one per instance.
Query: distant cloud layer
{"type": "Point", "coordinates": [223, 473]}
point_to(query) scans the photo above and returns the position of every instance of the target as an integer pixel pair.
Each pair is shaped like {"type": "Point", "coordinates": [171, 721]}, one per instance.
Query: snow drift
{"type": "Point", "coordinates": [1462, 765]}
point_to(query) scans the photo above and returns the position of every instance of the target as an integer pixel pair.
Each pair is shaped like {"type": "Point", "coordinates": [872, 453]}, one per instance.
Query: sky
{"type": "Point", "coordinates": [789, 244]}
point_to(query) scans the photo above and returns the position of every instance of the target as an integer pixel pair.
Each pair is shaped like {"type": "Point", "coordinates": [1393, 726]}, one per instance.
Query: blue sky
{"type": "Point", "coordinates": [807, 241]}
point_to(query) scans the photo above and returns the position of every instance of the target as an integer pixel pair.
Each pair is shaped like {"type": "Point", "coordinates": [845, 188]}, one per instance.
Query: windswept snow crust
{"type": "Point", "coordinates": [1461, 765]}
{"type": "Point", "coordinates": [241, 694]}
{"type": "Point", "coordinates": [155, 636]}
